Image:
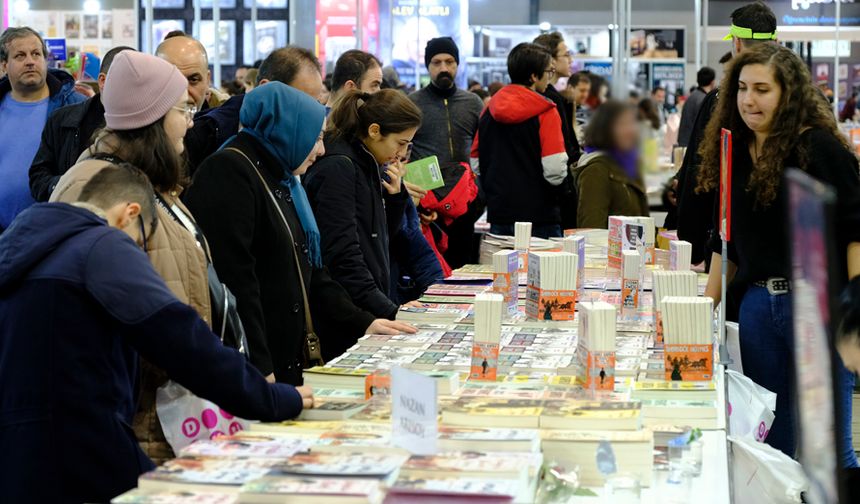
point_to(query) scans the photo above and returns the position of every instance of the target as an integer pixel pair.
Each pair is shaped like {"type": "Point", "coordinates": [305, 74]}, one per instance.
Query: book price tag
{"type": "Point", "coordinates": [413, 411]}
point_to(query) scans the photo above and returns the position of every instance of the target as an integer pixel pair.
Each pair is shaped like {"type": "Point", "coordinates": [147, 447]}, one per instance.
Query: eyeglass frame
{"type": "Point", "coordinates": [190, 112]}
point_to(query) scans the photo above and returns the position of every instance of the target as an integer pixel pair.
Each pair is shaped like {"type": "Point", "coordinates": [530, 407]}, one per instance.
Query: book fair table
{"type": "Point", "coordinates": [474, 407]}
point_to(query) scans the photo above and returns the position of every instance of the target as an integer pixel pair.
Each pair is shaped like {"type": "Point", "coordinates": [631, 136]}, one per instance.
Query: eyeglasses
{"type": "Point", "coordinates": [189, 110]}
{"type": "Point", "coordinates": [550, 71]}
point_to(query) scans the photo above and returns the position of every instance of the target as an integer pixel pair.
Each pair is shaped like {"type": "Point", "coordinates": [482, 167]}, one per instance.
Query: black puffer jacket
{"type": "Point", "coordinates": [354, 215]}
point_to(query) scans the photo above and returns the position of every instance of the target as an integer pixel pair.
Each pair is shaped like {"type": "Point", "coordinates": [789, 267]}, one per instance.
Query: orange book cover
{"type": "Point", "coordinates": [689, 362]}
{"type": "Point", "coordinates": [550, 305]}
{"type": "Point", "coordinates": [600, 371]}
{"type": "Point", "coordinates": [485, 361]}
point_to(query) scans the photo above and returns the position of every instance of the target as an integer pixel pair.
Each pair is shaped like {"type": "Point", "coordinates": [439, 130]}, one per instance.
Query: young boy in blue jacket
{"type": "Point", "coordinates": [79, 300]}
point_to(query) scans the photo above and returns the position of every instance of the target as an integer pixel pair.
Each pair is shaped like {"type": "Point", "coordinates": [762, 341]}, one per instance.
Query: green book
{"type": "Point", "coordinates": [425, 173]}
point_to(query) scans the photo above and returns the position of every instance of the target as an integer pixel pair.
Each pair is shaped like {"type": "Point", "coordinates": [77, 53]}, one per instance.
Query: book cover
{"type": "Point", "coordinates": [478, 487]}
{"type": "Point", "coordinates": [425, 173]}
{"type": "Point", "coordinates": [138, 496]}
{"type": "Point", "coordinates": [246, 445]}
{"type": "Point", "coordinates": [208, 471]}
{"type": "Point", "coordinates": [357, 463]}
{"type": "Point", "coordinates": [496, 463]}
{"type": "Point", "coordinates": [331, 410]}
{"type": "Point", "coordinates": [291, 488]}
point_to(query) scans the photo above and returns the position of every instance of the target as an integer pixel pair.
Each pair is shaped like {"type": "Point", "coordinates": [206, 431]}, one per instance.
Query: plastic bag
{"type": "Point", "coordinates": [185, 418]}
{"type": "Point", "coordinates": [763, 474]}
{"type": "Point", "coordinates": [751, 407]}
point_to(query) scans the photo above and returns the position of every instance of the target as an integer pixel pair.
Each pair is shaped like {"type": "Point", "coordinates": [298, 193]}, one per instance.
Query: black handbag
{"type": "Point", "coordinates": [226, 322]}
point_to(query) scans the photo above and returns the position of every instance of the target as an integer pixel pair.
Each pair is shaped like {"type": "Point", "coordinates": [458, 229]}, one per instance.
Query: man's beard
{"type": "Point", "coordinates": [444, 80]}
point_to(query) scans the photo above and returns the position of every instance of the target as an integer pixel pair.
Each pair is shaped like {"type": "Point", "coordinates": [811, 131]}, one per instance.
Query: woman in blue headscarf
{"type": "Point", "coordinates": [263, 252]}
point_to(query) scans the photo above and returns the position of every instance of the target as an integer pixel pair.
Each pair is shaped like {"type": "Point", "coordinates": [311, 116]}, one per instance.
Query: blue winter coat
{"type": "Point", "coordinates": [78, 301]}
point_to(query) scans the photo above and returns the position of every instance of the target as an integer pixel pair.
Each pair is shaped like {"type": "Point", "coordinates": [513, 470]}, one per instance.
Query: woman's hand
{"type": "Point", "coordinates": [390, 327]}
{"type": "Point", "coordinates": [394, 171]}
{"type": "Point", "coordinates": [307, 394]}
{"type": "Point", "coordinates": [416, 192]}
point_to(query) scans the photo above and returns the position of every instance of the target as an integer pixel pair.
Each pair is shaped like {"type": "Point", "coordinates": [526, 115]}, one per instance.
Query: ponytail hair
{"type": "Point", "coordinates": [354, 112]}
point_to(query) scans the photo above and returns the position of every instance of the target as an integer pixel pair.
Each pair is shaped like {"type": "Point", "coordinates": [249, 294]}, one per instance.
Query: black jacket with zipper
{"type": "Point", "coordinates": [254, 256]}
{"type": "Point", "coordinates": [355, 214]}
{"type": "Point", "coordinates": [68, 133]}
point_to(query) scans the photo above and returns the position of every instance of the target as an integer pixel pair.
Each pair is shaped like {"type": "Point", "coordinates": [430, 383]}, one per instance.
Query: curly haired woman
{"type": "Point", "coordinates": [778, 119]}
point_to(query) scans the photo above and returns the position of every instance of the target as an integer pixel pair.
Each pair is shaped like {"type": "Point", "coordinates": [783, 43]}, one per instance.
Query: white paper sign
{"type": "Point", "coordinates": [413, 411]}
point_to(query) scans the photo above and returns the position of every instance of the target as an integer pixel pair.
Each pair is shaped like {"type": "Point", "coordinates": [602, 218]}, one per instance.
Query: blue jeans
{"type": "Point", "coordinates": [767, 346]}
{"type": "Point", "coordinates": [545, 231]}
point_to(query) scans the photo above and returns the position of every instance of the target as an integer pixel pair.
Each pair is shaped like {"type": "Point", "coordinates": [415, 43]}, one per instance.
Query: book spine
{"type": "Point", "coordinates": [688, 337]}
{"type": "Point", "coordinates": [680, 254]}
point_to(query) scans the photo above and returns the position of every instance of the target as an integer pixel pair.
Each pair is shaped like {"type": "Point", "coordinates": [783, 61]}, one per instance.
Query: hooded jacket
{"type": "Point", "coordinates": [354, 216]}
{"type": "Point", "coordinates": [78, 302]}
{"type": "Point", "coordinates": [519, 155]}
{"type": "Point", "coordinates": [180, 262]}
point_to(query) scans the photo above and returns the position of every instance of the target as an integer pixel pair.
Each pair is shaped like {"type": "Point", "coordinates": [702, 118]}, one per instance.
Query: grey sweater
{"type": "Point", "coordinates": [448, 127]}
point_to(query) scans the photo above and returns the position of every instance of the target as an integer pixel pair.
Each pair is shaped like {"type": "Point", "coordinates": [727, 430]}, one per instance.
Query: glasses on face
{"type": "Point", "coordinates": [189, 110]}
{"type": "Point", "coordinates": [550, 71]}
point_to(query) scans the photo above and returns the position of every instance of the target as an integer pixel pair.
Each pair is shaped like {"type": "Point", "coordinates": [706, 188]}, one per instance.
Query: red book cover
{"type": "Point", "coordinates": [726, 184]}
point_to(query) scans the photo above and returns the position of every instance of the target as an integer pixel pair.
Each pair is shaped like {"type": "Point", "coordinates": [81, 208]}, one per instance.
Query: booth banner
{"type": "Point", "coordinates": [657, 43]}
{"type": "Point", "coordinates": [413, 23]}
{"type": "Point", "coordinates": [793, 12]}
{"type": "Point", "coordinates": [669, 76]}
{"type": "Point", "coordinates": [337, 31]}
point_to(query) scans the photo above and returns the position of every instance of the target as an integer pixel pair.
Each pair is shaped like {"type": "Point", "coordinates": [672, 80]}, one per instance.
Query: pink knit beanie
{"type": "Point", "coordinates": [139, 90]}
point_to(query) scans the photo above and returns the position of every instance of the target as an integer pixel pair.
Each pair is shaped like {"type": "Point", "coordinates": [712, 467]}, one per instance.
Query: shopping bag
{"type": "Point", "coordinates": [751, 407]}
{"type": "Point", "coordinates": [763, 475]}
{"type": "Point", "coordinates": [185, 418]}
{"type": "Point", "coordinates": [733, 345]}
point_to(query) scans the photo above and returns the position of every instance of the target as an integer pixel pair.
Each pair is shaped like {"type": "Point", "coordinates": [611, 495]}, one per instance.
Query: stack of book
{"type": "Point", "coordinates": [597, 344]}
{"type": "Point", "coordinates": [488, 333]}
{"type": "Point", "coordinates": [631, 282]}
{"type": "Point", "coordinates": [674, 284]}
{"type": "Point", "coordinates": [551, 292]}
{"type": "Point", "coordinates": [688, 334]}
{"type": "Point", "coordinates": [680, 255]}
{"type": "Point", "coordinates": [506, 277]}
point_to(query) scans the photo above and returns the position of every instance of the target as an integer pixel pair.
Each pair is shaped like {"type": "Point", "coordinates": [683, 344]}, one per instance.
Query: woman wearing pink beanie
{"type": "Point", "coordinates": [147, 112]}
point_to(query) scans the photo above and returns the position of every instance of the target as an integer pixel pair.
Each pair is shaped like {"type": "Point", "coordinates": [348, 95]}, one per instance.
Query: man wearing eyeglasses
{"type": "Point", "coordinates": [519, 152]}
{"type": "Point", "coordinates": [562, 58]}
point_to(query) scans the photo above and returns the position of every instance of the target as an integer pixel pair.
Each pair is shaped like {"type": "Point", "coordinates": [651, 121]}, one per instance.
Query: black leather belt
{"type": "Point", "coordinates": [775, 286]}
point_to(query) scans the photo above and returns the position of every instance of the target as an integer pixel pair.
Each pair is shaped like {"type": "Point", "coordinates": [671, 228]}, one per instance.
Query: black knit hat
{"type": "Point", "coordinates": [441, 45]}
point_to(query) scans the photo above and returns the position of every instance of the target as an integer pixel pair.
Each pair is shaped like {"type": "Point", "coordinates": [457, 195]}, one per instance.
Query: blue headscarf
{"type": "Point", "coordinates": [287, 122]}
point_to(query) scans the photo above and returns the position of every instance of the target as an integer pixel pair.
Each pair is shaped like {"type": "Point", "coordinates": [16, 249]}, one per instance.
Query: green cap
{"type": "Point", "coordinates": [747, 33]}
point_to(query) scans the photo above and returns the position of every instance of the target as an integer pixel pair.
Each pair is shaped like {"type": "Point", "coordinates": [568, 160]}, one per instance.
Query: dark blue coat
{"type": "Point", "coordinates": [414, 265]}
{"type": "Point", "coordinates": [78, 301]}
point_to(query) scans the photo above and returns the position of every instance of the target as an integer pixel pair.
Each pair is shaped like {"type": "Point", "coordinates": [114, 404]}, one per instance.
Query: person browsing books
{"type": "Point", "coordinates": [259, 252]}
{"type": "Point", "coordinates": [607, 176]}
{"type": "Point", "coordinates": [147, 113]}
{"type": "Point", "coordinates": [778, 119]}
{"type": "Point", "coordinates": [79, 302]}
{"type": "Point", "coordinates": [357, 194]}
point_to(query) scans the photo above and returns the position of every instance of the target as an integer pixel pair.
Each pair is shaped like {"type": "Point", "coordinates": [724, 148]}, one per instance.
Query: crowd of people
{"type": "Point", "coordinates": [160, 229]}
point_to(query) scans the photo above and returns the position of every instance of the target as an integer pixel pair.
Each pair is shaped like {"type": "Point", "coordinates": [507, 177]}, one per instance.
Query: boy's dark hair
{"type": "Point", "coordinates": [351, 66]}
{"type": "Point", "coordinates": [757, 17]}
{"type": "Point", "coordinates": [108, 59]}
{"type": "Point", "coordinates": [705, 76]}
{"type": "Point", "coordinates": [599, 131]}
{"type": "Point", "coordinates": [581, 76]}
{"type": "Point", "coordinates": [122, 183]}
{"type": "Point", "coordinates": [14, 33]}
{"type": "Point", "coordinates": [550, 41]}
{"type": "Point", "coordinates": [527, 60]}
{"type": "Point", "coordinates": [284, 64]}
